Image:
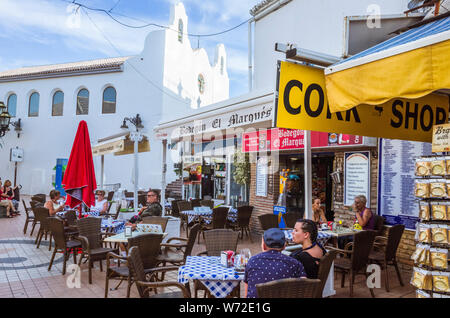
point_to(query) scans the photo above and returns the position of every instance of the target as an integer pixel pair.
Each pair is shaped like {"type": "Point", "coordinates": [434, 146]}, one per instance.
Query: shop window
{"type": "Point", "coordinates": [58, 103]}
{"type": "Point", "coordinates": [33, 107]}
{"type": "Point", "coordinates": [83, 102]}
{"type": "Point", "coordinates": [12, 105]}
{"type": "Point", "coordinates": [109, 101]}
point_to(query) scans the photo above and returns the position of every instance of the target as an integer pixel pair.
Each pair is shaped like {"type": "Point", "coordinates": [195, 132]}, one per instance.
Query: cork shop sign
{"type": "Point", "coordinates": [441, 138]}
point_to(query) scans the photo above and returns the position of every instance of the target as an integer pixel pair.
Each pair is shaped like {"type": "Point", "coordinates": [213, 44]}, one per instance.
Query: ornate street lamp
{"type": "Point", "coordinates": [136, 137]}
{"type": "Point", "coordinates": [5, 118]}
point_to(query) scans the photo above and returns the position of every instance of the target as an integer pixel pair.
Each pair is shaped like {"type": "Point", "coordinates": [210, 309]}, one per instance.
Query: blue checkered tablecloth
{"type": "Point", "coordinates": [322, 237]}
{"type": "Point", "coordinates": [194, 215]}
{"type": "Point", "coordinates": [84, 214]}
{"type": "Point", "coordinates": [115, 226]}
{"type": "Point", "coordinates": [219, 280]}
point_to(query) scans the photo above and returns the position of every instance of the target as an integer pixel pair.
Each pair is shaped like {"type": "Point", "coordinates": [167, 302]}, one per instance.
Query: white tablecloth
{"type": "Point", "coordinates": [219, 280]}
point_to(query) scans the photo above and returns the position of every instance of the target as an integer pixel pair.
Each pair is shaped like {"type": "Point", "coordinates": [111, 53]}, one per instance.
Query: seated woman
{"type": "Point", "coordinates": [318, 216]}
{"type": "Point", "coordinates": [305, 233]}
{"type": "Point", "coordinates": [6, 203]}
{"type": "Point", "coordinates": [7, 189]}
{"type": "Point", "coordinates": [363, 215]}
{"type": "Point", "coordinates": [53, 205]}
{"type": "Point", "coordinates": [101, 204]}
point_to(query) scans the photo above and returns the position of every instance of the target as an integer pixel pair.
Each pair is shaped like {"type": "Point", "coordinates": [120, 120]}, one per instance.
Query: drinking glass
{"type": "Point", "coordinates": [245, 255]}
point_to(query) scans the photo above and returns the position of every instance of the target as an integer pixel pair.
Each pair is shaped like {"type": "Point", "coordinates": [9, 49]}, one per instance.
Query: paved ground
{"type": "Point", "coordinates": [23, 270]}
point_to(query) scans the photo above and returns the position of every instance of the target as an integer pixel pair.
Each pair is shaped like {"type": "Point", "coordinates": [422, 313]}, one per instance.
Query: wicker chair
{"type": "Point", "coordinates": [110, 196]}
{"type": "Point", "coordinates": [290, 219]}
{"type": "Point", "coordinates": [156, 220]}
{"type": "Point", "coordinates": [41, 215]}
{"type": "Point", "coordinates": [268, 221]}
{"type": "Point", "coordinates": [92, 243]}
{"type": "Point", "coordinates": [216, 241]}
{"type": "Point", "coordinates": [244, 214]}
{"type": "Point", "coordinates": [219, 220]}
{"type": "Point", "coordinates": [219, 240]}
{"type": "Point", "coordinates": [324, 270]}
{"type": "Point", "coordinates": [29, 218]}
{"type": "Point", "coordinates": [357, 264]}
{"type": "Point", "coordinates": [174, 258]}
{"type": "Point", "coordinates": [39, 198]}
{"type": "Point", "coordinates": [184, 206]}
{"type": "Point", "coordinates": [208, 203]}
{"type": "Point", "coordinates": [379, 224]}
{"type": "Point", "coordinates": [175, 210]}
{"type": "Point", "coordinates": [196, 202]}
{"type": "Point", "coordinates": [62, 244]}
{"type": "Point", "coordinates": [71, 219]}
{"type": "Point", "coordinates": [288, 288]}
{"type": "Point", "coordinates": [144, 285]}
{"type": "Point", "coordinates": [149, 248]}
{"type": "Point", "coordinates": [387, 250]}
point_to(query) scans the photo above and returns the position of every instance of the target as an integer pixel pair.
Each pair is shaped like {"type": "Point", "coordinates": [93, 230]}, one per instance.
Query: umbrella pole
{"type": "Point", "coordinates": [308, 175]}
{"type": "Point", "coordinates": [136, 172]}
{"type": "Point", "coordinates": [163, 178]}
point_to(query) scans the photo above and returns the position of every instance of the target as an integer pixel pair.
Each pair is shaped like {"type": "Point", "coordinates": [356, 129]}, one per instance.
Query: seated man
{"type": "Point", "coordinates": [271, 264]}
{"type": "Point", "coordinates": [153, 208]}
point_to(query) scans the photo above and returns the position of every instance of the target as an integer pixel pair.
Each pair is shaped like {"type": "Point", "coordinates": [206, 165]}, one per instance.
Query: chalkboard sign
{"type": "Point", "coordinates": [396, 200]}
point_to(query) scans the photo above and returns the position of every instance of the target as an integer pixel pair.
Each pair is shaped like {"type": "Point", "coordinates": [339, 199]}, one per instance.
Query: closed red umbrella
{"type": "Point", "coordinates": [79, 178]}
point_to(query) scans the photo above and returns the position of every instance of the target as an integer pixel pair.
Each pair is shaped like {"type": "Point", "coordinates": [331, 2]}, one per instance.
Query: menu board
{"type": "Point", "coordinates": [357, 176]}
{"type": "Point", "coordinates": [396, 200]}
{"type": "Point", "coordinates": [261, 177]}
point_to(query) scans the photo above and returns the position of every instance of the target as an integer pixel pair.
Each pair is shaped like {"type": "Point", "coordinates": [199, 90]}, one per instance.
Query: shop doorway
{"type": "Point", "coordinates": [322, 184]}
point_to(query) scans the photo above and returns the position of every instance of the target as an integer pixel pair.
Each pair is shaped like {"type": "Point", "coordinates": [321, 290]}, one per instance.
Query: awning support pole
{"type": "Point", "coordinates": [308, 175]}
{"type": "Point", "coordinates": [102, 171]}
{"type": "Point", "coordinates": [163, 176]}
{"type": "Point", "coordinates": [136, 174]}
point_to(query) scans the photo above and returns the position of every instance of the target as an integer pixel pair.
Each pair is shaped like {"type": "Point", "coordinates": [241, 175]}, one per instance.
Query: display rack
{"type": "Point", "coordinates": [431, 274]}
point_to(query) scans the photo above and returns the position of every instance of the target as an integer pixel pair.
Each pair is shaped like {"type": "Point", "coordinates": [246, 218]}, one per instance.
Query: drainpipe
{"type": "Point", "coordinates": [250, 53]}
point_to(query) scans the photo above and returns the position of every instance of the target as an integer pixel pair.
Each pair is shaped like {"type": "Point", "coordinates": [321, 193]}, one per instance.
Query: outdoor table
{"type": "Point", "coordinates": [127, 214]}
{"type": "Point", "coordinates": [219, 280]}
{"type": "Point", "coordinates": [194, 215]}
{"type": "Point", "coordinates": [322, 236]}
{"type": "Point", "coordinates": [336, 234]}
{"type": "Point", "coordinates": [121, 238]}
{"type": "Point", "coordinates": [116, 226]}
{"type": "Point", "coordinates": [83, 214]}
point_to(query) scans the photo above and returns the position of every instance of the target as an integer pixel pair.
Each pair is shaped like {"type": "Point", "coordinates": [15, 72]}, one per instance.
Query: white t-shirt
{"type": "Point", "coordinates": [98, 205]}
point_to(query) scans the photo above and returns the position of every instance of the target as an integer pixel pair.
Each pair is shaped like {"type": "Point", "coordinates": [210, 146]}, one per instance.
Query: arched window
{"type": "Point", "coordinates": [33, 107]}
{"type": "Point", "coordinates": [180, 31]}
{"type": "Point", "coordinates": [201, 83]}
{"type": "Point", "coordinates": [12, 105]}
{"type": "Point", "coordinates": [58, 103]}
{"type": "Point", "coordinates": [222, 65]}
{"type": "Point", "coordinates": [109, 101]}
{"type": "Point", "coordinates": [83, 102]}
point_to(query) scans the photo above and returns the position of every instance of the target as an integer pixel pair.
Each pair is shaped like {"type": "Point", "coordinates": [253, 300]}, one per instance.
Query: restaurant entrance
{"type": "Point", "coordinates": [322, 184]}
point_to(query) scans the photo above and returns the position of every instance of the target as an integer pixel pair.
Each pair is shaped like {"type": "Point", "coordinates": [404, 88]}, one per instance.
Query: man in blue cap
{"type": "Point", "coordinates": [271, 264]}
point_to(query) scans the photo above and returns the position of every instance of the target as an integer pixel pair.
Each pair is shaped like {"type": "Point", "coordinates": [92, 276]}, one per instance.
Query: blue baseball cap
{"type": "Point", "coordinates": [274, 238]}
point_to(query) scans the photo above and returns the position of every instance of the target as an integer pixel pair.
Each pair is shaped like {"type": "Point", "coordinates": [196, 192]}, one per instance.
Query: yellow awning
{"type": "Point", "coordinates": [120, 146]}
{"type": "Point", "coordinates": [410, 65]}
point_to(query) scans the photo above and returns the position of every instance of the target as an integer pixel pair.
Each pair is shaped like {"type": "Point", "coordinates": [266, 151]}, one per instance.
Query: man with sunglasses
{"type": "Point", "coordinates": [153, 208]}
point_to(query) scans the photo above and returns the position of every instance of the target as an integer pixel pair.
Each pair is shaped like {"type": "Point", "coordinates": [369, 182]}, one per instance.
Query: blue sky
{"type": "Point", "coordinates": [36, 32]}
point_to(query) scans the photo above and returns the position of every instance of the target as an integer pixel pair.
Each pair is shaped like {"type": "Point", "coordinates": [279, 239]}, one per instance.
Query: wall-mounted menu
{"type": "Point", "coordinates": [396, 200]}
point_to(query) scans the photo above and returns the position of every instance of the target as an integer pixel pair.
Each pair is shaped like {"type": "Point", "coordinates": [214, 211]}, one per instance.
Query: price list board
{"type": "Point", "coordinates": [396, 200]}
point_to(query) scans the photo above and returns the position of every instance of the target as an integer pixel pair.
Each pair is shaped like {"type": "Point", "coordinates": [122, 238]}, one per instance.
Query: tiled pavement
{"type": "Point", "coordinates": [23, 270]}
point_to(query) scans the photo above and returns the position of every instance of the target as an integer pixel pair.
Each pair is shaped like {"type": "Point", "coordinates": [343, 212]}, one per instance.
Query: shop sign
{"type": "Point", "coordinates": [279, 139]}
{"type": "Point", "coordinates": [261, 177]}
{"type": "Point", "coordinates": [357, 176]}
{"type": "Point", "coordinates": [16, 154]}
{"type": "Point", "coordinates": [241, 117]}
{"type": "Point", "coordinates": [441, 138]}
{"type": "Point", "coordinates": [301, 103]}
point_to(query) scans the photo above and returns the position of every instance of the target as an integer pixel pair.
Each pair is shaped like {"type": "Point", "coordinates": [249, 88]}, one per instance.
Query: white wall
{"type": "Point", "coordinates": [140, 89]}
{"type": "Point", "coordinates": [315, 25]}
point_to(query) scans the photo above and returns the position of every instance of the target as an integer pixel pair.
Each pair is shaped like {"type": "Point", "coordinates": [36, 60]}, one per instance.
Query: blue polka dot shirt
{"type": "Point", "coordinates": [269, 266]}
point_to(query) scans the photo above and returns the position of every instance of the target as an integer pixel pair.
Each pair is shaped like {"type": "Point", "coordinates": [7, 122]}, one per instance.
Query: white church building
{"type": "Point", "coordinates": [168, 77]}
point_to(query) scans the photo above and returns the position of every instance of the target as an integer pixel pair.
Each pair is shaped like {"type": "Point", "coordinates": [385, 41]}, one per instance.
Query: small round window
{"type": "Point", "coordinates": [201, 84]}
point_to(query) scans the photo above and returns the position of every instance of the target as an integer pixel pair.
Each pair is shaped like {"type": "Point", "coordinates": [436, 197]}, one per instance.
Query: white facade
{"type": "Point", "coordinates": [314, 25]}
{"type": "Point", "coordinates": [162, 80]}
